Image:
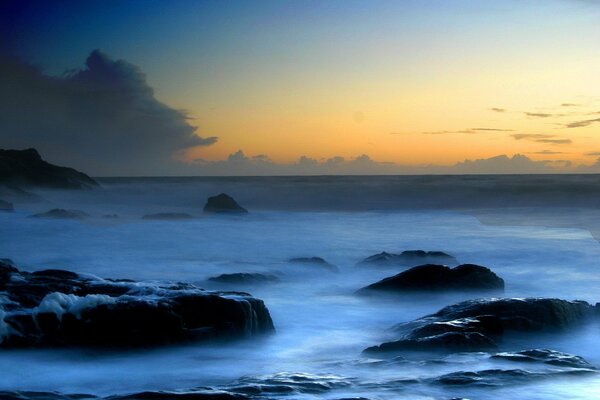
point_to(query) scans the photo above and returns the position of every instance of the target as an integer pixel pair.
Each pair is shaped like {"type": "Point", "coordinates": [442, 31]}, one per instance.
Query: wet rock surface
{"type": "Point", "coordinates": [477, 325]}
{"type": "Point", "coordinates": [431, 277]}
{"type": "Point", "coordinates": [57, 308]}
{"type": "Point", "coordinates": [410, 258]}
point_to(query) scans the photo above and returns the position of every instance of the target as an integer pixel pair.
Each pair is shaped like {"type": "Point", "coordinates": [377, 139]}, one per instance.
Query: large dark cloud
{"type": "Point", "coordinates": [103, 119]}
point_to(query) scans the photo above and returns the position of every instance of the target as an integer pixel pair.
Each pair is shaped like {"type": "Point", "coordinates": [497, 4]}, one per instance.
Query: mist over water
{"type": "Point", "coordinates": [322, 326]}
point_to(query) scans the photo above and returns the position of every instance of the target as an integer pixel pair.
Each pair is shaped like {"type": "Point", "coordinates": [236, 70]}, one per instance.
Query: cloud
{"type": "Point", "coordinates": [498, 110]}
{"type": "Point", "coordinates": [547, 152]}
{"type": "Point", "coordinates": [581, 124]}
{"type": "Point", "coordinates": [570, 105]}
{"type": "Point", "coordinates": [541, 138]}
{"type": "Point", "coordinates": [541, 115]}
{"type": "Point", "coordinates": [502, 164]}
{"type": "Point", "coordinates": [103, 118]}
{"type": "Point", "coordinates": [469, 131]}
{"type": "Point", "coordinates": [592, 153]}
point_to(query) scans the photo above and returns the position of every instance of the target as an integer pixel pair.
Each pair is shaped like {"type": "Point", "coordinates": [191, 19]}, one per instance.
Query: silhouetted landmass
{"type": "Point", "coordinates": [27, 168]}
{"type": "Point", "coordinates": [477, 325]}
{"type": "Point", "coordinates": [244, 278]}
{"type": "Point", "coordinates": [546, 356]}
{"type": "Point", "coordinates": [61, 308]}
{"type": "Point", "coordinates": [431, 277]}
{"type": "Point", "coordinates": [223, 204]}
{"type": "Point", "coordinates": [6, 206]}
{"type": "Point", "coordinates": [410, 258]}
{"type": "Point", "coordinates": [315, 261]}
{"type": "Point", "coordinates": [59, 213]}
{"type": "Point", "coordinates": [168, 216]}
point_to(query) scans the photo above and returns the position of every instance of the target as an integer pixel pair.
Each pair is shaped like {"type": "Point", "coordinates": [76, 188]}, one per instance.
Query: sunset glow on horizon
{"type": "Point", "coordinates": [405, 82]}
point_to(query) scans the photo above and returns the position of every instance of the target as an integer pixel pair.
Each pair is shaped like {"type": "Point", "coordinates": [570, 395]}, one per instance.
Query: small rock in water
{"type": "Point", "coordinates": [5, 206]}
{"type": "Point", "coordinates": [59, 213]}
{"type": "Point", "coordinates": [315, 261]}
{"type": "Point", "coordinates": [168, 216]}
{"type": "Point", "coordinates": [223, 204]}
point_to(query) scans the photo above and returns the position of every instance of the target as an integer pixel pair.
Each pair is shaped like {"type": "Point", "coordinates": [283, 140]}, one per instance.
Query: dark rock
{"type": "Point", "coordinates": [168, 216]}
{"type": "Point", "coordinates": [244, 278]}
{"type": "Point", "coordinates": [223, 203]}
{"type": "Point", "coordinates": [26, 168]}
{"type": "Point", "coordinates": [193, 395]}
{"type": "Point", "coordinates": [59, 213]}
{"type": "Point", "coordinates": [432, 277]}
{"type": "Point", "coordinates": [315, 261]}
{"type": "Point", "coordinates": [501, 377]}
{"type": "Point", "coordinates": [5, 206]}
{"type": "Point", "coordinates": [448, 341]}
{"type": "Point", "coordinates": [61, 308]}
{"type": "Point", "coordinates": [545, 356]}
{"type": "Point", "coordinates": [473, 325]}
{"type": "Point", "coordinates": [410, 258]}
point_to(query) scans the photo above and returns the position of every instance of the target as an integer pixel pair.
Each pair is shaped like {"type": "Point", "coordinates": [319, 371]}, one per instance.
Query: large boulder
{"type": "Point", "coordinates": [27, 168]}
{"type": "Point", "coordinates": [223, 204]}
{"type": "Point", "coordinates": [5, 206]}
{"type": "Point", "coordinates": [478, 325]}
{"type": "Point", "coordinates": [431, 277]}
{"type": "Point", "coordinates": [409, 258]}
{"type": "Point", "coordinates": [61, 308]}
{"type": "Point", "coordinates": [59, 213]}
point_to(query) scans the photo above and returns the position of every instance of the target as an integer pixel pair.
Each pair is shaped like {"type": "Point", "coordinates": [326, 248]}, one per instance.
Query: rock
{"type": "Point", "coordinates": [61, 308]}
{"type": "Point", "coordinates": [410, 258]}
{"type": "Point", "coordinates": [545, 356]}
{"type": "Point", "coordinates": [473, 325]}
{"type": "Point", "coordinates": [244, 278]}
{"type": "Point", "coordinates": [431, 277]}
{"type": "Point", "coordinates": [168, 216]}
{"type": "Point", "coordinates": [59, 213]}
{"type": "Point", "coordinates": [314, 261]}
{"type": "Point", "coordinates": [27, 168]}
{"type": "Point", "coordinates": [5, 206]}
{"type": "Point", "coordinates": [489, 378]}
{"type": "Point", "coordinates": [223, 204]}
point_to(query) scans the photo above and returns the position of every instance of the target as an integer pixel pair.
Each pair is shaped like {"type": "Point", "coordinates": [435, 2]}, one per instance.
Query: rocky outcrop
{"type": "Point", "coordinates": [249, 278]}
{"type": "Point", "coordinates": [545, 356]}
{"type": "Point", "coordinates": [439, 278]}
{"type": "Point", "coordinates": [410, 258]}
{"type": "Point", "coordinates": [168, 216]}
{"type": "Point", "coordinates": [223, 204]}
{"type": "Point", "coordinates": [61, 308]}
{"type": "Point", "coordinates": [314, 261]}
{"type": "Point", "coordinates": [59, 213]}
{"type": "Point", "coordinates": [5, 206]}
{"type": "Point", "coordinates": [27, 168]}
{"type": "Point", "coordinates": [478, 325]}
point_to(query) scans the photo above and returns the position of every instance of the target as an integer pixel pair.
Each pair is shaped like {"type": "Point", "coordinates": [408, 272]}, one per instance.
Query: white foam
{"type": "Point", "coordinates": [60, 303]}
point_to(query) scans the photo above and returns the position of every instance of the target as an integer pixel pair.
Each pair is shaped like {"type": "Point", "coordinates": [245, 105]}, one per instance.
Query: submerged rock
{"type": "Point", "coordinates": [315, 261]}
{"type": "Point", "coordinates": [223, 204]}
{"type": "Point", "coordinates": [59, 213]}
{"type": "Point", "coordinates": [431, 277]}
{"type": "Point", "coordinates": [61, 308]}
{"type": "Point", "coordinates": [244, 278]}
{"type": "Point", "coordinates": [410, 258]}
{"type": "Point", "coordinates": [168, 216]}
{"type": "Point", "coordinates": [27, 168]}
{"type": "Point", "coordinates": [477, 325]}
{"type": "Point", "coordinates": [5, 206]}
{"type": "Point", "coordinates": [545, 356]}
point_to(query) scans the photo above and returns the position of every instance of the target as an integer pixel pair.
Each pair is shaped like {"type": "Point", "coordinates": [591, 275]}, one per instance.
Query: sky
{"type": "Point", "coordinates": [183, 87]}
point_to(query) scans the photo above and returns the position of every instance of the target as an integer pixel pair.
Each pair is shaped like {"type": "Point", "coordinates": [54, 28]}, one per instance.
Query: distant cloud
{"type": "Point", "coordinates": [498, 110]}
{"type": "Point", "coordinates": [103, 119]}
{"type": "Point", "coordinates": [581, 124]}
{"type": "Point", "coordinates": [547, 152]}
{"type": "Point", "coordinates": [503, 164]}
{"type": "Point", "coordinates": [468, 131]}
{"type": "Point", "coordinates": [592, 153]}
{"type": "Point", "coordinates": [540, 115]}
{"type": "Point", "coordinates": [541, 138]}
{"type": "Point", "coordinates": [570, 105]}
